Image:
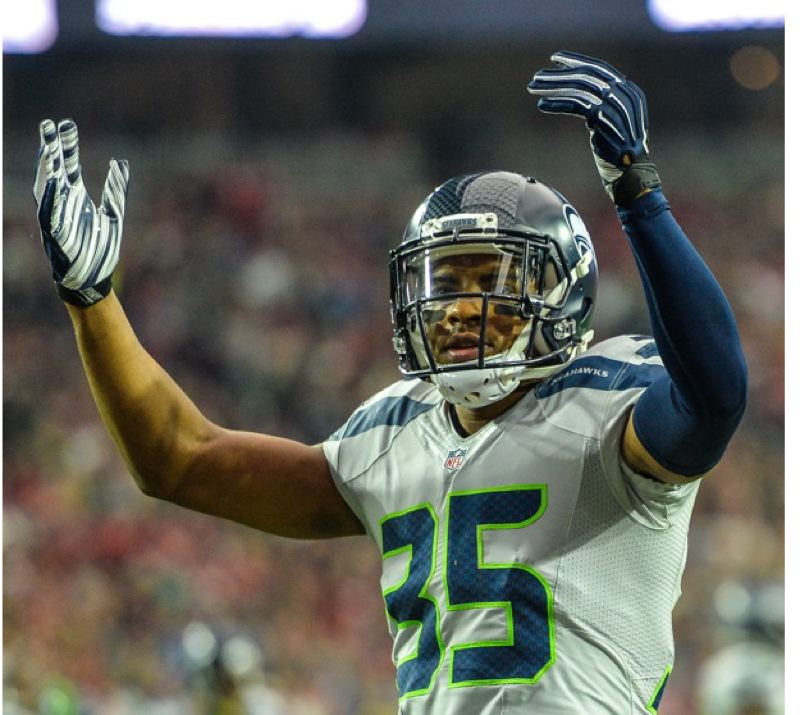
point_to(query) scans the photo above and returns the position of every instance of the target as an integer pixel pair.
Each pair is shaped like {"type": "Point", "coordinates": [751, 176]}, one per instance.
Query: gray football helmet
{"type": "Point", "coordinates": [494, 283]}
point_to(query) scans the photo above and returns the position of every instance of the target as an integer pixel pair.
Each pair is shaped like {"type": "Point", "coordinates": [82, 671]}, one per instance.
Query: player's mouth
{"type": "Point", "coordinates": [463, 347]}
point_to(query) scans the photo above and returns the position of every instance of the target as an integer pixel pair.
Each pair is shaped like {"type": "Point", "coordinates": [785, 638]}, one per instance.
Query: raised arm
{"type": "Point", "coordinates": [683, 422]}
{"type": "Point", "coordinates": [174, 452]}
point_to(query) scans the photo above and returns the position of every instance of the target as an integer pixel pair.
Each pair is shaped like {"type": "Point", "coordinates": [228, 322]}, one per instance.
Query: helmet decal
{"type": "Point", "coordinates": [575, 222]}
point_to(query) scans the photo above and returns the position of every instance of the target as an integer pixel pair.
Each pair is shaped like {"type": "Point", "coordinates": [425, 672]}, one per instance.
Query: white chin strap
{"type": "Point", "coordinates": [478, 388]}
{"type": "Point", "coordinates": [481, 387]}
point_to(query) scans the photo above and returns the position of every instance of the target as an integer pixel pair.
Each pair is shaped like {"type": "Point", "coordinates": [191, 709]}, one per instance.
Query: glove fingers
{"type": "Point", "coordinates": [68, 136]}
{"type": "Point", "coordinates": [45, 209]}
{"type": "Point", "coordinates": [582, 78]}
{"type": "Point", "coordinates": [617, 109]}
{"type": "Point", "coordinates": [584, 92]}
{"type": "Point", "coordinates": [58, 260]}
{"type": "Point", "coordinates": [619, 118]}
{"type": "Point", "coordinates": [641, 100]}
{"type": "Point", "coordinates": [630, 105]}
{"type": "Point", "coordinates": [44, 163]}
{"type": "Point", "coordinates": [575, 106]}
{"type": "Point", "coordinates": [51, 146]}
{"type": "Point", "coordinates": [565, 58]}
{"type": "Point", "coordinates": [47, 137]}
{"type": "Point", "coordinates": [638, 105]}
{"type": "Point", "coordinates": [45, 182]}
{"type": "Point", "coordinates": [43, 169]}
{"type": "Point", "coordinates": [115, 190]}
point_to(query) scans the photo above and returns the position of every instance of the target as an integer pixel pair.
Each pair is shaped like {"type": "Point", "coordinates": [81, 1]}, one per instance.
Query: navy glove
{"type": "Point", "coordinates": [615, 111]}
{"type": "Point", "coordinates": [81, 240]}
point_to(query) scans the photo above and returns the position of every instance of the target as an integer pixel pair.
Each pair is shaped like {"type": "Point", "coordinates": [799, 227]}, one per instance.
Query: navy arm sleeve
{"type": "Point", "coordinates": [685, 419]}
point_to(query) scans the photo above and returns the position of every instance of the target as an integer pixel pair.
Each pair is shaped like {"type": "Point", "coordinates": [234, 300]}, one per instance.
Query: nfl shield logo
{"type": "Point", "coordinates": [455, 458]}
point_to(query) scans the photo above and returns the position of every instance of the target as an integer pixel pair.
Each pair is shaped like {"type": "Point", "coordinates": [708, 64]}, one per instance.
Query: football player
{"type": "Point", "coordinates": [529, 495]}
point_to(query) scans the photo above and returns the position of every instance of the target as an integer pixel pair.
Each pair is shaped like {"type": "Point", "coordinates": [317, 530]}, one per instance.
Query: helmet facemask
{"type": "Point", "coordinates": [477, 309]}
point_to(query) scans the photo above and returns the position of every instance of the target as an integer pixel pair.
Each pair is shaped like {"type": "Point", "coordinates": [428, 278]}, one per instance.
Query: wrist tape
{"type": "Point", "coordinates": [85, 296]}
{"type": "Point", "coordinates": [638, 177]}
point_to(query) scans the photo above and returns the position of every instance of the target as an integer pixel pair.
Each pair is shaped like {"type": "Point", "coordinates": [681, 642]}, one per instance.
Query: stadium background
{"type": "Point", "coordinates": [269, 180]}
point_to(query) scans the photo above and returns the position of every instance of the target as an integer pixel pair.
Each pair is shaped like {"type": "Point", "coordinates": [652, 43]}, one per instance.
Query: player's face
{"type": "Point", "coordinates": [454, 325]}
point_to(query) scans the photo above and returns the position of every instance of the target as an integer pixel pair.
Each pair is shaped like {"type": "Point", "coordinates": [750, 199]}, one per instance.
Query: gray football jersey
{"type": "Point", "coordinates": [526, 569]}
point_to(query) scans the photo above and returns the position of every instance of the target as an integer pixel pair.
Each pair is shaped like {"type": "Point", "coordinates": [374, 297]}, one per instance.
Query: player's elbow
{"type": "Point", "coordinates": [165, 473]}
{"type": "Point", "coordinates": [729, 401]}
{"type": "Point", "coordinates": [689, 436]}
{"type": "Point", "coordinates": [192, 478]}
{"type": "Point", "coordinates": [715, 396]}
{"type": "Point", "coordinates": [155, 482]}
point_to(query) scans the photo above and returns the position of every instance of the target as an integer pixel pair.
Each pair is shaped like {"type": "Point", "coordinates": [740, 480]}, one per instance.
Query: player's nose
{"type": "Point", "coordinates": [464, 311]}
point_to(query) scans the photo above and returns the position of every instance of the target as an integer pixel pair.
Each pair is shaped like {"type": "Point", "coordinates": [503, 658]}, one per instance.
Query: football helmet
{"type": "Point", "coordinates": [493, 283]}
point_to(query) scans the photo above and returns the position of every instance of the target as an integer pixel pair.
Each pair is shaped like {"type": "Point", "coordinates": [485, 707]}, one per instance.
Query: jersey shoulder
{"type": "Point", "coordinates": [600, 384]}
{"type": "Point", "coordinates": [617, 364]}
{"type": "Point", "coordinates": [373, 426]}
{"type": "Point", "coordinates": [394, 406]}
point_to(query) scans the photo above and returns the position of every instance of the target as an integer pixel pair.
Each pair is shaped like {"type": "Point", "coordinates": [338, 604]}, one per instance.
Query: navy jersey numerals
{"type": "Point", "coordinates": [470, 582]}
{"type": "Point", "coordinates": [408, 603]}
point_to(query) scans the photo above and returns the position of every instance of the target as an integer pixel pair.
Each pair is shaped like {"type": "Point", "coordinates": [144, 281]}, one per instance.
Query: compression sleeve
{"type": "Point", "coordinates": [685, 419]}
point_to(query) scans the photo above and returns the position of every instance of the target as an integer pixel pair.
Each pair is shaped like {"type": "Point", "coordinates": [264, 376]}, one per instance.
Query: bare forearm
{"type": "Point", "coordinates": [154, 424]}
{"type": "Point", "coordinates": [173, 452]}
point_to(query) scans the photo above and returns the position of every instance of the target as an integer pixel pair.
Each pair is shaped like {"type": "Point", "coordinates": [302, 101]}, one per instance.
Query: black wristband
{"type": "Point", "coordinates": [638, 177]}
{"type": "Point", "coordinates": [86, 296]}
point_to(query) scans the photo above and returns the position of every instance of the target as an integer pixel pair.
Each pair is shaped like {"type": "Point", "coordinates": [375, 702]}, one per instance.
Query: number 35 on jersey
{"type": "Point", "coordinates": [493, 620]}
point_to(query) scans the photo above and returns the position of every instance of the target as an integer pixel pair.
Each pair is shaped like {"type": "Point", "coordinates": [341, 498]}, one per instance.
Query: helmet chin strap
{"type": "Point", "coordinates": [478, 388]}
{"type": "Point", "coordinates": [481, 387]}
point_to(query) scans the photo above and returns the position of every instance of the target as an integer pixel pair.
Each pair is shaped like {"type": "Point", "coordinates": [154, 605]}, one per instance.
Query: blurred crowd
{"type": "Point", "coordinates": [258, 277]}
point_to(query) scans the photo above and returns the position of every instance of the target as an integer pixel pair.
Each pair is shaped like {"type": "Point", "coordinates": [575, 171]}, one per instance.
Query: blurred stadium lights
{"type": "Point", "coordinates": [36, 25]}
{"type": "Point", "coordinates": [233, 18]}
{"type": "Point", "coordinates": [690, 15]}
{"type": "Point", "coordinates": [199, 644]}
{"type": "Point", "coordinates": [31, 28]}
{"type": "Point", "coordinates": [755, 67]}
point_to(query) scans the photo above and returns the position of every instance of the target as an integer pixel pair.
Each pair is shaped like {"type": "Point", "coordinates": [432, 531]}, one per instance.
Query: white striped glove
{"type": "Point", "coordinates": [615, 111]}
{"type": "Point", "coordinates": [81, 240]}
